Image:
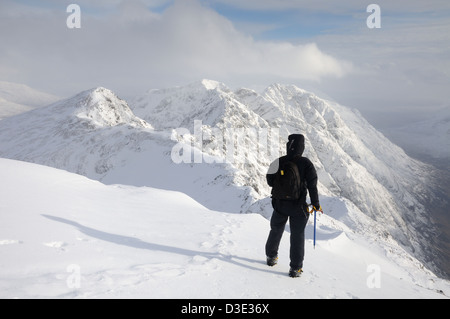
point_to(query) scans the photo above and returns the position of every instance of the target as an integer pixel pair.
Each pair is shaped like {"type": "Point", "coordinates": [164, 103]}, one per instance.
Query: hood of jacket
{"type": "Point", "coordinates": [295, 145]}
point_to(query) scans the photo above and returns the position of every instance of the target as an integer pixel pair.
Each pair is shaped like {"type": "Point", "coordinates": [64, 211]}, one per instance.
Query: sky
{"type": "Point", "coordinates": [394, 74]}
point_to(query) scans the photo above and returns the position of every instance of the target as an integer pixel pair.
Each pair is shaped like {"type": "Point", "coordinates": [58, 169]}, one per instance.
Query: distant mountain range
{"type": "Point", "coordinates": [18, 98]}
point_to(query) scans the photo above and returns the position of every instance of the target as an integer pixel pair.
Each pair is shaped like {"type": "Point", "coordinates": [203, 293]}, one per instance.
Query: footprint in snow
{"type": "Point", "coordinates": [56, 244]}
{"type": "Point", "coordinates": [10, 241]}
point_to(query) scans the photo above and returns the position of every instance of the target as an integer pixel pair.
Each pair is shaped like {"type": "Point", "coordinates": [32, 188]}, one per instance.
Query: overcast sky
{"type": "Point", "coordinates": [393, 74]}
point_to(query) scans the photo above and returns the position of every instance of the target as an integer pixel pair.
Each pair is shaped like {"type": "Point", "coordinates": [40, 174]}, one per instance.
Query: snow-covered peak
{"type": "Point", "coordinates": [206, 100]}
{"type": "Point", "coordinates": [290, 100]}
{"type": "Point", "coordinates": [283, 89]}
{"type": "Point", "coordinates": [99, 107]}
{"type": "Point", "coordinates": [196, 86]}
{"type": "Point", "coordinates": [214, 85]}
{"type": "Point", "coordinates": [102, 107]}
{"type": "Point", "coordinates": [69, 134]}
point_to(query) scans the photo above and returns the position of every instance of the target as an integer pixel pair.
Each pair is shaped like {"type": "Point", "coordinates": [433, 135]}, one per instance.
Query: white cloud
{"type": "Point", "coordinates": [403, 69]}
{"type": "Point", "coordinates": [132, 49]}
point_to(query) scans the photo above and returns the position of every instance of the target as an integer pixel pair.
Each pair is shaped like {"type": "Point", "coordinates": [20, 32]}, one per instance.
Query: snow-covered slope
{"type": "Point", "coordinates": [230, 138]}
{"type": "Point", "coordinates": [65, 236]}
{"type": "Point", "coordinates": [18, 98]}
{"type": "Point", "coordinates": [95, 134]}
{"type": "Point", "coordinates": [208, 116]}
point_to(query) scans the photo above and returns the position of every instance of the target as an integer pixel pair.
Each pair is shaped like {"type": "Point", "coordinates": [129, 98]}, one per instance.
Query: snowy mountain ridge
{"type": "Point", "coordinates": [102, 107]}
{"type": "Point", "coordinates": [98, 135]}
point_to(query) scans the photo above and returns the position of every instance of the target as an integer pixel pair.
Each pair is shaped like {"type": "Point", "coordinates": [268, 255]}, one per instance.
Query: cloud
{"type": "Point", "coordinates": [402, 70]}
{"type": "Point", "coordinates": [399, 73]}
{"type": "Point", "coordinates": [132, 48]}
{"type": "Point", "coordinates": [344, 6]}
{"type": "Point", "coordinates": [214, 46]}
{"type": "Point", "coordinates": [134, 45]}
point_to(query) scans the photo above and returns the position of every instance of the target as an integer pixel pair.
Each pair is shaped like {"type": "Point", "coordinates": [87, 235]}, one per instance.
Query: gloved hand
{"type": "Point", "coordinates": [317, 208]}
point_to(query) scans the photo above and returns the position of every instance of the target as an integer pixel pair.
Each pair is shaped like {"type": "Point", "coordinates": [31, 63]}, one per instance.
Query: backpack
{"type": "Point", "coordinates": [287, 182]}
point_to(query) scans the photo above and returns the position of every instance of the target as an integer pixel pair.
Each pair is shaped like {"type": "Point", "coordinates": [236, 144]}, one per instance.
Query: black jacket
{"type": "Point", "coordinates": [295, 147]}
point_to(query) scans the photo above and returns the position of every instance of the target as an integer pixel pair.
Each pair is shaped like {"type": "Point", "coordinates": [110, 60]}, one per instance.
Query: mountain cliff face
{"type": "Point", "coordinates": [215, 145]}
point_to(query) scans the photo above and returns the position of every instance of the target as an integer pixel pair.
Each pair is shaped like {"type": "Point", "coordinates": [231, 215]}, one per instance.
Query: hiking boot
{"type": "Point", "coordinates": [272, 261]}
{"type": "Point", "coordinates": [294, 273]}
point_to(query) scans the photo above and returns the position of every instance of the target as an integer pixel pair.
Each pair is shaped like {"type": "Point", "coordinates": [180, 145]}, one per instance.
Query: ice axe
{"type": "Point", "coordinates": [315, 210]}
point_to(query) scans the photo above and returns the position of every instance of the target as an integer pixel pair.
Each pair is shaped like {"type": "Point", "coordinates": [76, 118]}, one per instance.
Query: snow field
{"type": "Point", "coordinates": [65, 236]}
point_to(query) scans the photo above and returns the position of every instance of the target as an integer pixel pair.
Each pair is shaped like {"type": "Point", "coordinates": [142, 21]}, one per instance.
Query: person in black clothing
{"type": "Point", "coordinates": [294, 210]}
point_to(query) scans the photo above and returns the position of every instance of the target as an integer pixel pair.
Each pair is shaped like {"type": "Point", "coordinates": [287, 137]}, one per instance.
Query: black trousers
{"type": "Point", "coordinates": [297, 222]}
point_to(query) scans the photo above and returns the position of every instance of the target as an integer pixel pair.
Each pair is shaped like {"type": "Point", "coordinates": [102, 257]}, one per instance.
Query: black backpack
{"type": "Point", "coordinates": [287, 182]}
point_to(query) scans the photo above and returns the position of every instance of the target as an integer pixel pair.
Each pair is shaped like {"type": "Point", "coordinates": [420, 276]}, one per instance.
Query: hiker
{"type": "Point", "coordinates": [293, 205]}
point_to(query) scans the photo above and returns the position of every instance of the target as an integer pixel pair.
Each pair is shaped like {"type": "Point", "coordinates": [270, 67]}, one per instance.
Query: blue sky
{"type": "Point", "coordinates": [402, 69]}
{"type": "Point", "coordinates": [286, 24]}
